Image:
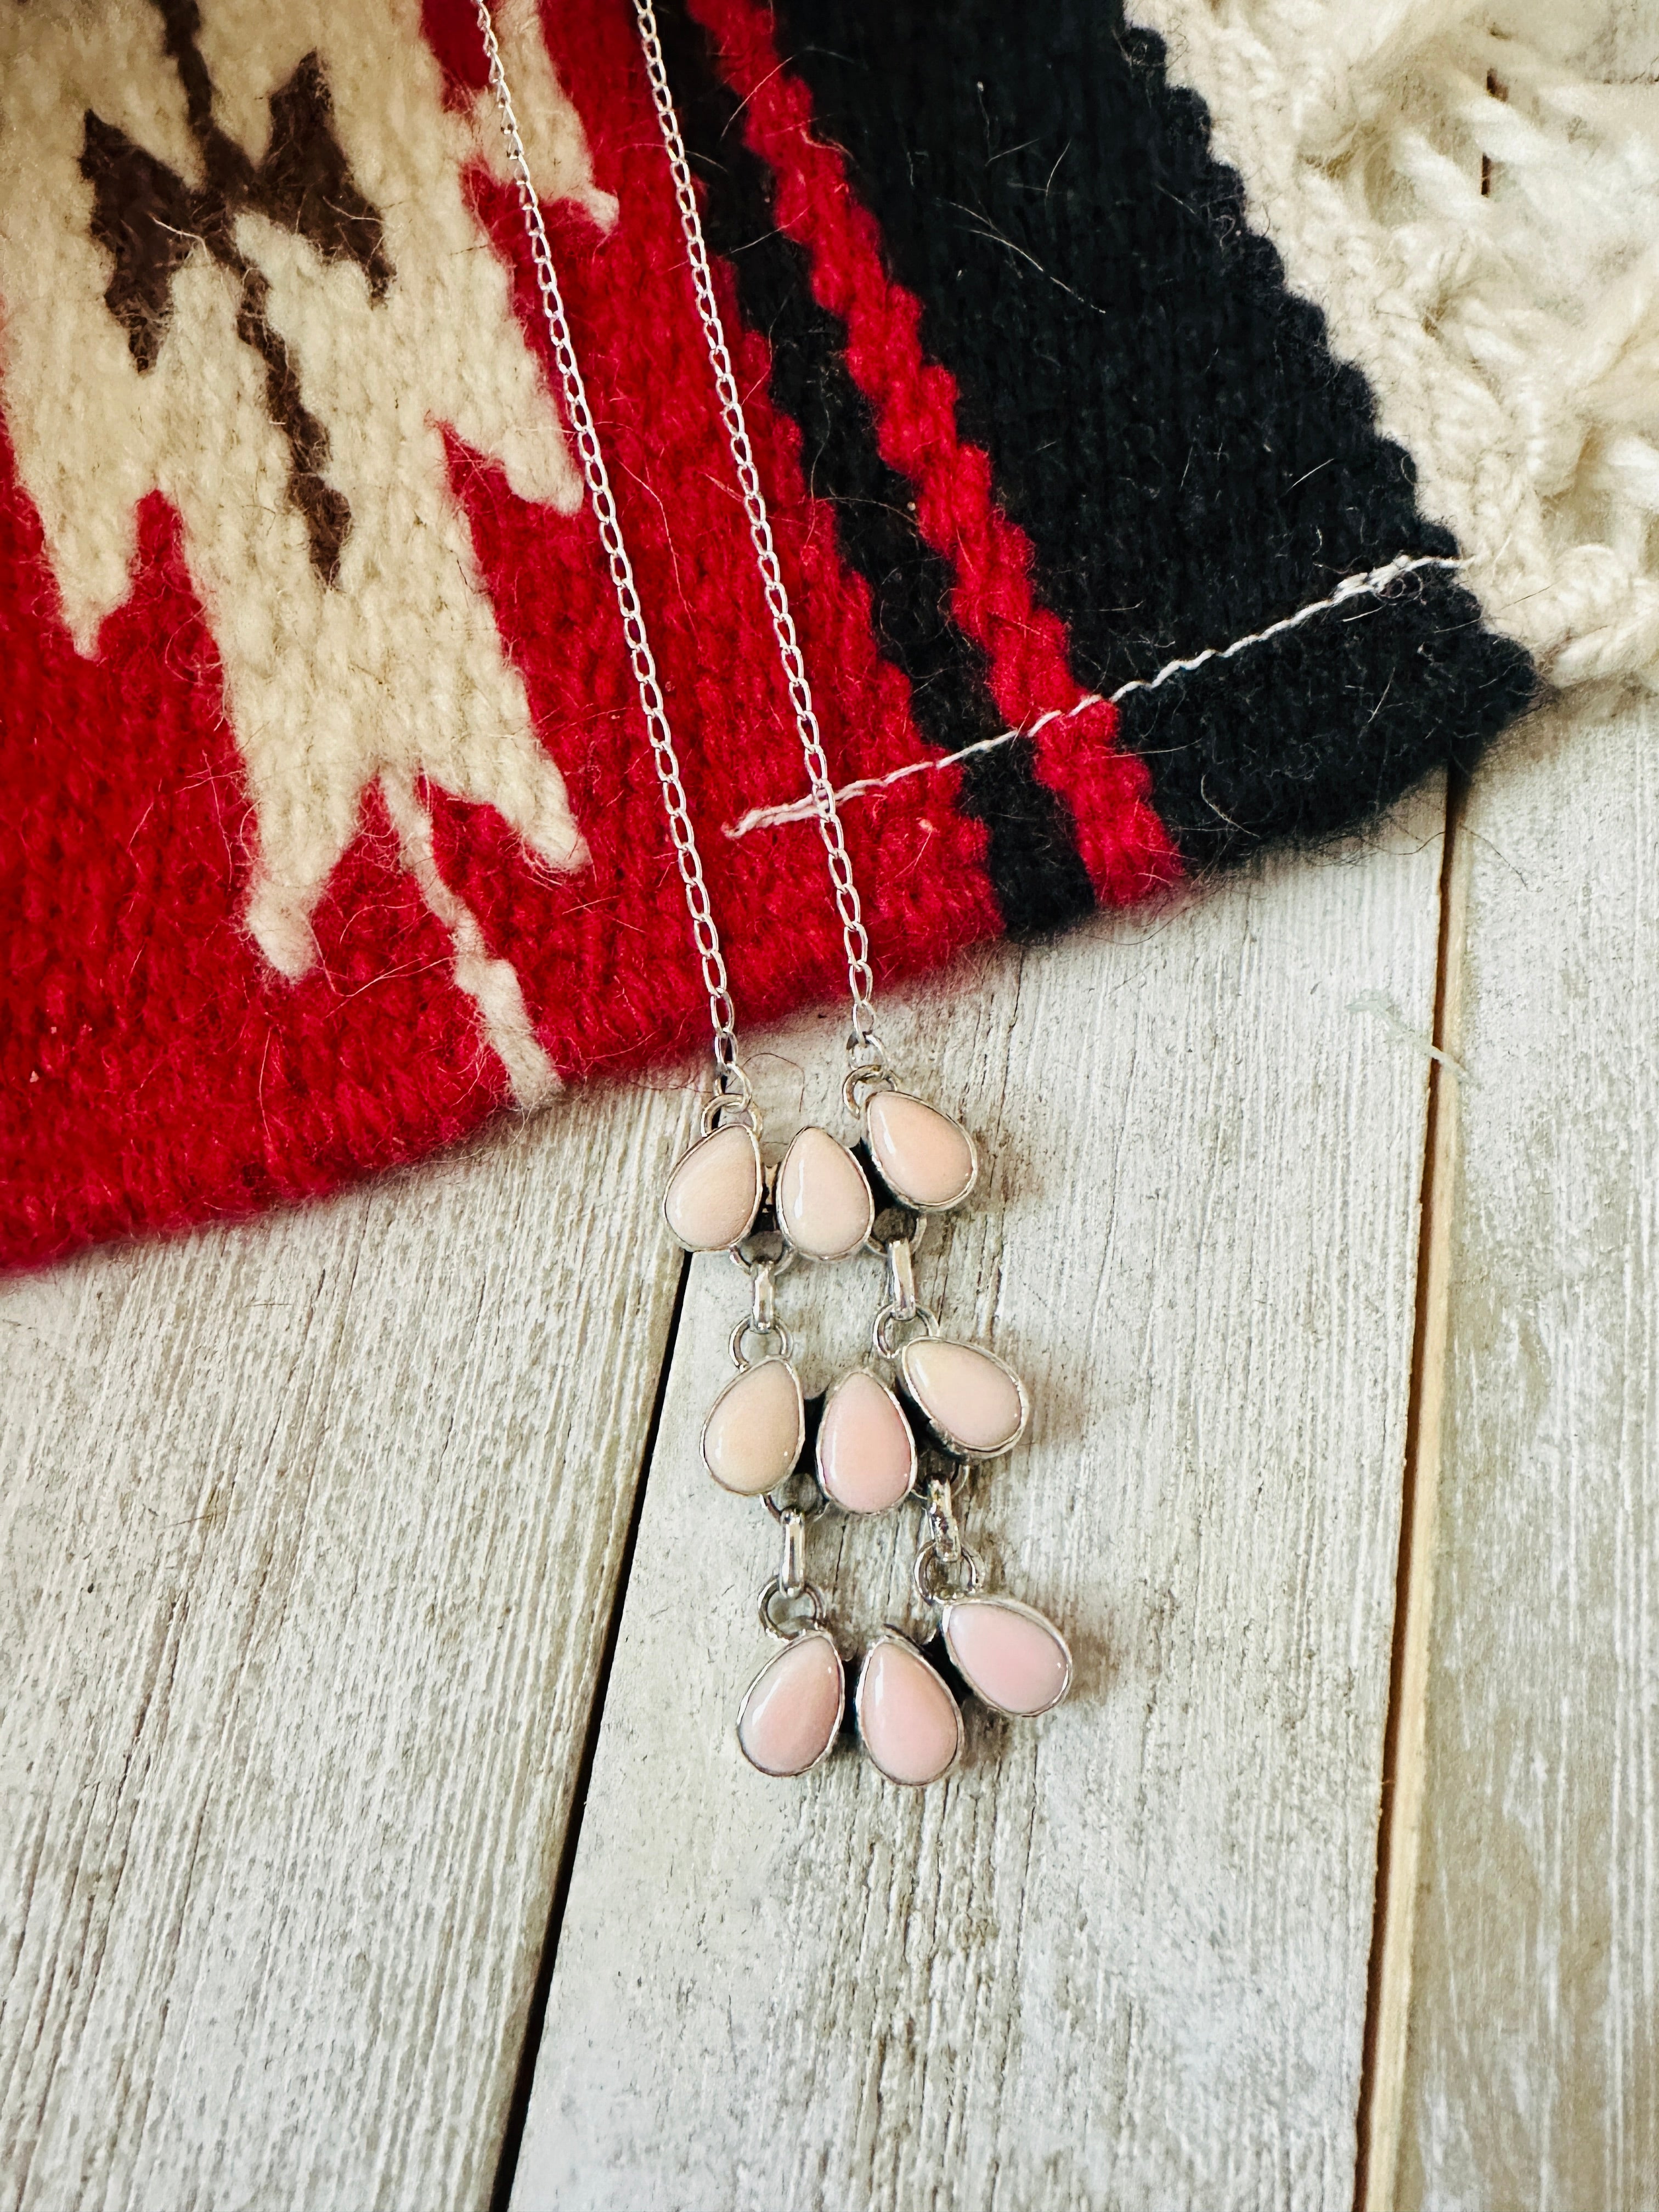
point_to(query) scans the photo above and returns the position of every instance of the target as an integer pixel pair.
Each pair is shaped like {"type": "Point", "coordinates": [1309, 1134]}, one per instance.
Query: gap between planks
{"type": "Point", "coordinates": [1387, 2003]}
{"type": "Point", "coordinates": [507, 2164]}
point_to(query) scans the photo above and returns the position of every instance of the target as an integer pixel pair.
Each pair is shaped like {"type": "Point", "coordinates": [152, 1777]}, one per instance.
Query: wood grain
{"type": "Point", "coordinates": [308, 1532]}
{"type": "Point", "coordinates": [1121, 1960]}
{"type": "Point", "coordinates": [1532, 2063]}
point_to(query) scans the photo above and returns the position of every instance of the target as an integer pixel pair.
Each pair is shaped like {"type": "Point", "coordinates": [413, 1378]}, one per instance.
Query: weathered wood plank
{"type": "Point", "coordinates": [1121, 1958]}
{"type": "Point", "coordinates": [309, 1531]}
{"type": "Point", "coordinates": [1532, 2058]}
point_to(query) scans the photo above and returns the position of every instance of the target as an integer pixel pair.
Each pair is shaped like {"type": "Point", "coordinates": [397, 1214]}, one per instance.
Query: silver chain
{"type": "Point", "coordinates": [858, 977]}
{"type": "Point", "coordinates": [863, 1045]}
{"type": "Point", "coordinates": [729, 1077]}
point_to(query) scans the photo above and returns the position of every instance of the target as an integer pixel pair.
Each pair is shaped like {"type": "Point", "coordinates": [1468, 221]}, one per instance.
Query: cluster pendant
{"type": "Point", "coordinates": [867, 1444]}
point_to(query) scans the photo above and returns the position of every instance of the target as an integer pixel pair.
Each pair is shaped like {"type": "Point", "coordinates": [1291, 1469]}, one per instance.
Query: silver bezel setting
{"type": "Point", "coordinates": [951, 1605]}
{"type": "Point", "coordinates": [696, 1146]}
{"type": "Point", "coordinates": [824, 1259]}
{"type": "Point", "coordinates": [774, 1359]}
{"type": "Point", "coordinates": [912, 1204]}
{"type": "Point", "coordinates": [891, 1635]}
{"type": "Point", "coordinates": [954, 1444]}
{"type": "Point", "coordinates": [861, 1512]}
{"type": "Point", "coordinates": [796, 1773]}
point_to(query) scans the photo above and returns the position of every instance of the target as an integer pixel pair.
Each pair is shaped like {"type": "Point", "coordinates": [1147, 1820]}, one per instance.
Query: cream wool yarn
{"type": "Point", "coordinates": [387, 673]}
{"type": "Point", "coordinates": [1511, 337]}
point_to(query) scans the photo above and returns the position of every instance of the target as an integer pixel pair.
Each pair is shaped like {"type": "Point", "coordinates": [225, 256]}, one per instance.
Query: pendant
{"type": "Point", "coordinates": [824, 1206]}
{"type": "Point", "coordinates": [974, 1403]}
{"type": "Point", "coordinates": [925, 1158]}
{"type": "Point", "coordinates": [714, 1190]}
{"type": "Point", "coordinates": [755, 1428]}
{"type": "Point", "coordinates": [866, 1455]}
{"type": "Point", "coordinates": [1007, 1653]}
{"type": "Point", "coordinates": [791, 1712]}
{"type": "Point", "coordinates": [909, 1721]}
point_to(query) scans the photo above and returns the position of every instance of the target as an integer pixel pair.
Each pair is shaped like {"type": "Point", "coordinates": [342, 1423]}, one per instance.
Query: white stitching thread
{"type": "Point", "coordinates": [1351, 587]}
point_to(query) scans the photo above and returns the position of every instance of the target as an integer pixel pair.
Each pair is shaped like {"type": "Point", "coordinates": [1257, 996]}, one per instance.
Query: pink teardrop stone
{"type": "Point", "coordinates": [1015, 1659]}
{"type": "Point", "coordinates": [792, 1710]}
{"type": "Point", "coordinates": [865, 1453]}
{"type": "Point", "coordinates": [907, 1717]}
{"type": "Point", "coordinates": [968, 1395]}
{"type": "Point", "coordinates": [753, 1435]}
{"type": "Point", "coordinates": [714, 1190]}
{"type": "Point", "coordinates": [823, 1201]}
{"type": "Point", "coordinates": [925, 1158]}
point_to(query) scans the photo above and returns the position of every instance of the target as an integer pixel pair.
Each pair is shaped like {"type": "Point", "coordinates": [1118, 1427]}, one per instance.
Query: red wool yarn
{"type": "Point", "coordinates": [333, 828]}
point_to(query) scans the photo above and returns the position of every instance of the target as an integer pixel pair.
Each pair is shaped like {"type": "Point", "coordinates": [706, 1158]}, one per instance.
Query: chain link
{"type": "Point", "coordinates": [944, 1565]}
{"type": "Point", "coordinates": [942, 1527]}
{"type": "Point", "coordinates": [902, 1279]}
{"type": "Point", "coordinates": [791, 1568]}
{"type": "Point", "coordinates": [764, 1304]}
{"type": "Point", "coordinates": [721, 1013]}
{"type": "Point", "coordinates": [863, 1042]}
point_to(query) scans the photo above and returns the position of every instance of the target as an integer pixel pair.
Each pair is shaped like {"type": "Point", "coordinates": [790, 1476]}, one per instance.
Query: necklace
{"type": "Point", "coordinates": [865, 1444]}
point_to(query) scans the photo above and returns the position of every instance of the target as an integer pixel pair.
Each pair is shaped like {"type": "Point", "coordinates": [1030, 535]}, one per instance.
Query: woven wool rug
{"type": "Point", "coordinates": [331, 827]}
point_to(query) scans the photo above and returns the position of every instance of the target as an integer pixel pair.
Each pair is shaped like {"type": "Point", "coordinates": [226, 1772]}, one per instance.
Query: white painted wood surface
{"type": "Point", "coordinates": [310, 1530]}
{"type": "Point", "coordinates": [1532, 2056]}
{"type": "Point", "coordinates": [1120, 1960]}
{"type": "Point", "coordinates": [307, 1535]}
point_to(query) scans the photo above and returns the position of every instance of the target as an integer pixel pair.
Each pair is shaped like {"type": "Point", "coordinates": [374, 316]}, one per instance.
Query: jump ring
{"type": "Point", "coordinates": [915, 1233]}
{"type": "Point", "coordinates": [740, 1114]}
{"type": "Point", "coordinates": [860, 1085]}
{"type": "Point", "coordinates": [881, 1334]}
{"type": "Point", "coordinates": [785, 1259]}
{"type": "Point", "coordinates": [746, 1327]}
{"type": "Point", "coordinates": [808, 1508]}
{"type": "Point", "coordinates": [808, 1594]}
{"type": "Point", "coordinates": [931, 1564]}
